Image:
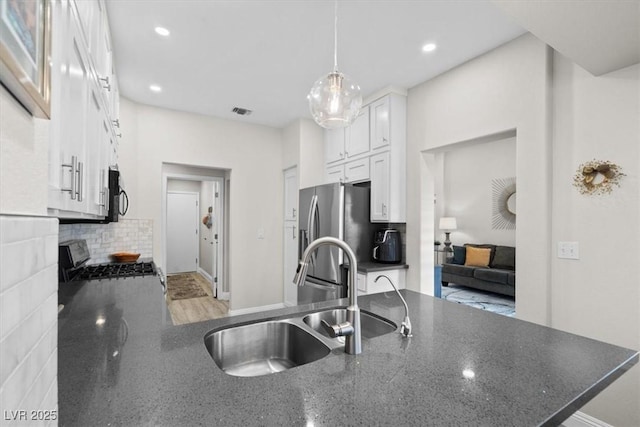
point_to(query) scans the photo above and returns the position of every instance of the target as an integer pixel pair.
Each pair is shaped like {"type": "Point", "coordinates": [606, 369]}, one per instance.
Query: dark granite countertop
{"type": "Point", "coordinates": [370, 266]}
{"type": "Point", "coordinates": [122, 362]}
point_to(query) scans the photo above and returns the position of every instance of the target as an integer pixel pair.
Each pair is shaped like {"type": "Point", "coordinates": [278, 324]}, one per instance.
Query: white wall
{"type": "Point", "coordinates": [252, 153]}
{"type": "Point", "coordinates": [585, 117]}
{"type": "Point", "coordinates": [303, 146]}
{"type": "Point", "coordinates": [494, 94]}
{"type": "Point", "coordinates": [468, 195]}
{"type": "Point", "coordinates": [599, 294]}
{"type": "Point", "coordinates": [28, 265]}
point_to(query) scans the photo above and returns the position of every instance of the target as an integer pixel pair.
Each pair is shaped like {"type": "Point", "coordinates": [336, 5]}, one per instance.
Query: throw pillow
{"type": "Point", "coordinates": [458, 255]}
{"type": "Point", "coordinates": [477, 257]}
{"type": "Point", "coordinates": [505, 258]}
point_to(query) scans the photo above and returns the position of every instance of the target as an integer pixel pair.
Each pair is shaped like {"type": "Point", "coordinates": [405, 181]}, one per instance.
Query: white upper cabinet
{"type": "Point", "coordinates": [334, 145]}
{"type": "Point", "coordinates": [83, 143]}
{"type": "Point", "coordinates": [348, 143]}
{"type": "Point", "coordinates": [71, 82]}
{"type": "Point", "coordinates": [380, 125]}
{"type": "Point", "coordinates": [357, 135]}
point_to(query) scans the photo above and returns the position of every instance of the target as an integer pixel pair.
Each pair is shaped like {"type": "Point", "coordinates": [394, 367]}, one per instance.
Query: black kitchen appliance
{"type": "Point", "coordinates": [118, 199]}
{"type": "Point", "coordinates": [72, 265]}
{"type": "Point", "coordinates": [387, 246]}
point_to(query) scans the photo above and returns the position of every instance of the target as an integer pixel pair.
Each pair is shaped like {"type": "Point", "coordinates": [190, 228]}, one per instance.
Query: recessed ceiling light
{"type": "Point", "coordinates": [429, 47]}
{"type": "Point", "coordinates": [162, 31]}
{"type": "Point", "coordinates": [155, 88]}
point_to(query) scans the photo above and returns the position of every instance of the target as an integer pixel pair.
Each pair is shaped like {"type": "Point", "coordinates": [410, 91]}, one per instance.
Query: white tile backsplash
{"type": "Point", "coordinates": [29, 314]}
{"type": "Point", "coordinates": [126, 235]}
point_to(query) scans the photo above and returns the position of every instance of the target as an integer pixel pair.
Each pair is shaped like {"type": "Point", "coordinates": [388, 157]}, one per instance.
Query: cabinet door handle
{"type": "Point", "coordinates": [73, 166]}
{"type": "Point", "coordinates": [116, 123]}
{"type": "Point", "coordinates": [294, 212]}
{"type": "Point", "coordinates": [384, 210]}
{"type": "Point", "coordinates": [106, 84]}
{"type": "Point", "coordinates": [294, 232]}
{"type": "Point", "coordinates": [79, 180]}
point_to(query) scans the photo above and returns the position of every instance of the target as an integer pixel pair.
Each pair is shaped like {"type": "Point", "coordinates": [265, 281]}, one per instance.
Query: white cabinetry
{"type": "Point", "coordinates": [367, 284]}
{"type": "Point", "coordinates": [290, 195]}
{"type": "Point", "coordinates": [380, 126]}
{"type": "Point", "coordinates": [354, 171]}
{"type": "Point", "coordinates": [83, 142]}
{"type": "Point", "coordinates": [290, 236]}
{"type": "Point", "coordinates": [388, 159]}
{"type": "Point", "coordinates": [334, 145]}
{"type": "Point", "coordinates": [374, 148]}
{"type": "Point", "coordinates": [357, 135]}
{"type": "Point", "coordinates": [348, 143]}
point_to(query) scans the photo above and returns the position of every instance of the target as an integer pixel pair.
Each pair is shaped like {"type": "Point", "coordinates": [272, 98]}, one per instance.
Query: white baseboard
{"type": "Point", "coordinates": [205, 275]}
{"type": "Point", "coordinates": [580, 419]}
{"type": "Point", "coordinates": [256, 309]}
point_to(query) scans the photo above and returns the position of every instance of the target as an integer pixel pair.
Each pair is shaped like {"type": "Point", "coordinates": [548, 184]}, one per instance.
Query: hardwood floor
{"type": "Point", "coordinates": [193, 310]}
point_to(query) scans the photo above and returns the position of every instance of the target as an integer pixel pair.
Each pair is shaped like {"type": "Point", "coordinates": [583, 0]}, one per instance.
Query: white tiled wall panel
{"type": "Point", "coordinates": [126, 235]}
{"type": "Point", "coordinates": [28, 316]}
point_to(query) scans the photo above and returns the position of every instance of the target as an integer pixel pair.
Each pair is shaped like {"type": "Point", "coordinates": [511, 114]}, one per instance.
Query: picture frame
{"type": "Point", "coordinates": [25, 53]}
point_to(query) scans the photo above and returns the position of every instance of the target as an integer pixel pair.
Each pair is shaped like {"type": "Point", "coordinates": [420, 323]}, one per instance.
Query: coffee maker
{"type": "Point", "coordinates": [387, 247]}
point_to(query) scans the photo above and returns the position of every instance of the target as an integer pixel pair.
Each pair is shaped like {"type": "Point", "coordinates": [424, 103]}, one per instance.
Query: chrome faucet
{"type": "Point", "coordinates": [351, 328]}
{"type": "Point", "coordinates": [405, 327]}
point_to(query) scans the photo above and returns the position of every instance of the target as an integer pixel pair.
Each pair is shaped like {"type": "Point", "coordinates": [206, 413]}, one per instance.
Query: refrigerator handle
{"type": "Point", "coordinates": [314, 230]}
{"type": "Point", "coordinates": [311, 223]}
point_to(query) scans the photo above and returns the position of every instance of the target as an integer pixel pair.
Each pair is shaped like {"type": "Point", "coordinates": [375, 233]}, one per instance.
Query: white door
{"type": "Point", "coordinates": [182, 232]}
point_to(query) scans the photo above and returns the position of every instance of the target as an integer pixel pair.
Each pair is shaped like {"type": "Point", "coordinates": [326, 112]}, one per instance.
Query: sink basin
{"type": "Point", "coordinates": [370, 324]}
{"type": "Point", "coordinates": [263, 348]}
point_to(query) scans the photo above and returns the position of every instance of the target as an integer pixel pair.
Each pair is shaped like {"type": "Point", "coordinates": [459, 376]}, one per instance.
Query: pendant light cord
{"type": "Point", "coordinates": [335, 37]}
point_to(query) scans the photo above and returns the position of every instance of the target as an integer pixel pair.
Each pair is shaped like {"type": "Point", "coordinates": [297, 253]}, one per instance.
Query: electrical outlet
{"type": "Point", "coordinates": [568, 250]}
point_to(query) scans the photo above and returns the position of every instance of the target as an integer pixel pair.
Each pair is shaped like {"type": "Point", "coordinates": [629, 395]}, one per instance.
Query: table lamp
{"type": "Point", "coordinates": [447, 224]}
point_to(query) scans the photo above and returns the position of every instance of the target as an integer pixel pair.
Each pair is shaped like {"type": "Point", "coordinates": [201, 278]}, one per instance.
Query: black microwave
{"type": "Point", "coordinates": [118, 203]}
{"type": "Point", "coordinates": [118, 199]}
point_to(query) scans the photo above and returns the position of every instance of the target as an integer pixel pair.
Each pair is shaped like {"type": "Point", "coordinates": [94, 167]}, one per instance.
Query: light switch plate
{"type": "Point", "coordinates": [568, 250]}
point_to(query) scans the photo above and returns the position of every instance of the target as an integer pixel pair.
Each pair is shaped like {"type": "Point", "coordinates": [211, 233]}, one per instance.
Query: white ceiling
{"type": "Point", "coordinates": [264, 55]}
{"type": "Point", "coordinates": [600, 36]}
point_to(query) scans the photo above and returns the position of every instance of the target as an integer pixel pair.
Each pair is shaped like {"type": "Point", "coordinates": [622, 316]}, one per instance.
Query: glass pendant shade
{"type": "Point", "coordinates": [335, 100]}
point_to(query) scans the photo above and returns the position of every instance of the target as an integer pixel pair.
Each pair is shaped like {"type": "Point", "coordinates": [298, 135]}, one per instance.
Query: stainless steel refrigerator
{"type": "Point", "coordinates": [337, 210]}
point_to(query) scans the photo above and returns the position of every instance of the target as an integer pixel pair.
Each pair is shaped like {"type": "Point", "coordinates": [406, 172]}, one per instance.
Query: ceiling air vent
{"type": "Point", "coordinates": [241, 111]}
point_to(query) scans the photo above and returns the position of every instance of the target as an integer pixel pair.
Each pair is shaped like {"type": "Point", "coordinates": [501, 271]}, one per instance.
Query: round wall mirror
{"type": "Point", "coordinates": [511, 203]}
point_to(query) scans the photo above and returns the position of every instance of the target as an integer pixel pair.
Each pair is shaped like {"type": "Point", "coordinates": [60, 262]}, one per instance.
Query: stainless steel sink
{"type": "Point", "coordinates": [371, 325]}
{"type": "Point", "coordinates": [263, 348]}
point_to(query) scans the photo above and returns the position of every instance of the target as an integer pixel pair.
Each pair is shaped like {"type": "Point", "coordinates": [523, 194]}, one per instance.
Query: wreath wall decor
{"type": "Point", "coordinates": [597, 177]}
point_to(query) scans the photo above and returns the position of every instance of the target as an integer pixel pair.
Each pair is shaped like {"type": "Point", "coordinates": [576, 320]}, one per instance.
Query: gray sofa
{"type": "Point", "coordinates": [498, 276]}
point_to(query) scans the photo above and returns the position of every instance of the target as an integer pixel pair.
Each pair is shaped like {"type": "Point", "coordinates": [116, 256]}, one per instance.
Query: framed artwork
{"type": "Point", "coordinates": [25, 51]}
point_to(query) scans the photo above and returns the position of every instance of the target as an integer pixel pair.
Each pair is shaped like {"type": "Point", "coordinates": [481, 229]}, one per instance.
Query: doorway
{"type": "Point", "coordinates": [182, 232]}
{"type": "Point", "coordinates": [210, 219]}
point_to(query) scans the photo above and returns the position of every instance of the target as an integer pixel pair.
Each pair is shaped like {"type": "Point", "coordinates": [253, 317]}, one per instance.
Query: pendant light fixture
{"type": "Point", "coordinates": [335, 99]}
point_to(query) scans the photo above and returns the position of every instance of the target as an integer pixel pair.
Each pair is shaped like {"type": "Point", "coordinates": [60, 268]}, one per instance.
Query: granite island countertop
{"type": "Point", "coordinates": [122, 362]}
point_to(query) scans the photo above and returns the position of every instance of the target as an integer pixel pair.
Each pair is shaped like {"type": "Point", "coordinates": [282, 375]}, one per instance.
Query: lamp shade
{"type": "Point", "coordinates": [448, 223]}
{"type": "Point", "coordinates": [334, 101]}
